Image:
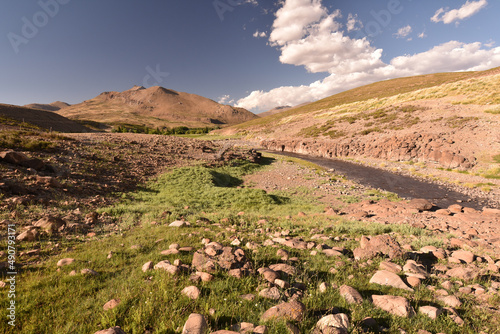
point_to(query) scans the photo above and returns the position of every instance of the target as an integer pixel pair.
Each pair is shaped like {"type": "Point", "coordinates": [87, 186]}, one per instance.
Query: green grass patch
{"type": "Point", "coordinates": [26, 140]}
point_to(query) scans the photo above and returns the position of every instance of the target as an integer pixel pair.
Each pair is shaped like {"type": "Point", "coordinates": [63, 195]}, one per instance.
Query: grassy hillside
{"type": "Point", "coordinates": [376, 90]}
{"type": "Point", "coordinates": [210, 199]}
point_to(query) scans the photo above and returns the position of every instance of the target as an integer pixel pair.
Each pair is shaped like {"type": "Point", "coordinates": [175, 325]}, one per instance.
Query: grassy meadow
{"type": "Point", "coordinates": [50, 300]}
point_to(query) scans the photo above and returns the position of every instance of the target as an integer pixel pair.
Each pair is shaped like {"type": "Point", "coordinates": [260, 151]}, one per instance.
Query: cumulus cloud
{"type": "Point", "coordinates": [468, 9]}
{"type": "Point", "coordinates": [353, 23]}
{"type": "Point", "coordinates": [258, 34]}
{"type": "Point", "coordinates": [225, 99]}
{"type": "Point", "coordinates": [318, 44]}
{"type": "Point", "coordinates": [422, 35]}
{"type": "Point", "coordinates": [309, 36]}
{"type": "Point", "coordinates": [404, 31]}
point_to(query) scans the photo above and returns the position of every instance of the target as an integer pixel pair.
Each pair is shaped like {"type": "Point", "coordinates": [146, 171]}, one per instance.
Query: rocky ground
{"type": "Point", "coordinates": [311, 274]}
{"type": "Point", "coordinates": [90, 171]}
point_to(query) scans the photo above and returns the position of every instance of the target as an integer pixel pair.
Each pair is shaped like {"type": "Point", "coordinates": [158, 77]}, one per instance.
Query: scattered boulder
{"type": "Point", "coordinates": [463, 256]}
{"type": "Point", "coordinates": [396, 305]}
{"type": "Point", "coordinates": [462, 273]}
{"type": "Point", "coordinates": [191, 292]}
{"type": "Point", "coordinates": [167, 266]}
{"type": "Point", "coordinates": [179, 223]}
{"type": "Point", "coordinates": [89, 272]}
{"type": "Point", "coordinates": [284, 269]}
{"type": "Point", "coordinates": [50, 224]}
{"type": "Point", "coordinates": [65, 262]}
{"type": "Point", "coordinates": [112, 330]}
{"type": "Point", "coordinates": [384, 277]}
{"type": "Point", "coordinates": [268, 274]}
{"type": "Point", "coordinates": [270, 293]}
{"type": "Point", "coordinates": [28, 235]}
{"type": "Point", "coordinates": [420, 204]}
{"type": "Point", "coordinates": [13, 157]}
{"type": "Point", "coordinates": [147, 266]}
{"type": "Point", "coordinates": [196, 324]}
{"type": "Point", "coordinates": [339, 321]}
{"type": "Point", "coordinates": [430, 311]}
{"type": "Point", "coordinates": [351, 295]}
{"type": "Point", "coordinates": [451, 301]}
{"type": "Point", "coordinates": [292, 310]}
{"type": "Point", "coordinates": [383, 244]}
{"type": "Point", "coordinates": [111, 304]}
{"type": "Point", "coordinates": [418, 270]}
{"type": "Point", "coordinates": [390, 266]}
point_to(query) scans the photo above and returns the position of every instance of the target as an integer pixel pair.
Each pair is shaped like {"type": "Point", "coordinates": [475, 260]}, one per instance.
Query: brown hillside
{"type": "Point", "coordinates": [42, 118]}
{"type": "Point", "coordinates": [277, 110]}
{"type": "Point", "coordinates": [154, 107]}
{"type": "Point", "coordinates": [450, 120]}
{"type": "Point", "coordinates": [54, 106]}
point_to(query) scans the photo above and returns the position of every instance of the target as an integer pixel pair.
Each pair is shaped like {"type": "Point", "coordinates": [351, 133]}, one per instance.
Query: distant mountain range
{"type": "Point", "coordinates": [54, 106]}
{"type": "Point", "coordinates": [155, 107]}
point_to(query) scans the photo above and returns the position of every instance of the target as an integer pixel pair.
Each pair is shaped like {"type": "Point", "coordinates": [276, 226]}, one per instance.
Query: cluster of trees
{"type": "Point", "coordinates": [180, 130]}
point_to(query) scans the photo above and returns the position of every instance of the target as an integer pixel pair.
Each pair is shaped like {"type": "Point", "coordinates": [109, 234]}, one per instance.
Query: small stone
{"type": "Point", "coordinates": [384, 277]}
{"type": "Point", "coordinates": [269, 274]}
{"type": "Point", "coordinates": [111, 304]}
{"type": "Point", "coordinates": [292, 310]}
{"type": "Point", "coordinates": [339, 320]}
{"type": "Point", "coordinates": [351, 295]}
{"type": "Point", "coordinates": [179, 223]}
{"type": "Point", "coordinates": [112, 330]}
{"type": "Point", "coordinates": [270, 293]}
{"type": "Point", "coordinates": [196, 324]}
{"type": "Point", "coordinates": [65, 262]}
{"type": "Point", "coordinates": [430, 311]}
{"type": "Point", "coordinates": [283, 253]}
{"type": "Point", "coordinates": [248, 297]}
{"type": "Point", "coordinates": [464, 256]}
{"type": "Point", "coordinates": [322, 287]}
{"type": "Point", "coordinates": [396, 305]}
{"type": "Point", "coordinates": [171, 251]}
{"type": "Point", "coordinates": [413, 281]}
{"type": "Point", "coordinates": [390, 266]}
{"type": "Point", "coordinates": [451, 301]}
{"type": "Point", "coordinates": [191, 292]}
{"type": "Point", "coordinates": [89, 272]}
{"type": "Point", "coordinates": [281, 283]}
{"type": "Point", "coordinates": [454, 315]}
{"type": "Point", "coordinates": [167, 266]}
{"type": "Point", "coordinates": [147, 266]}
{"type": "Point", "coordinates": [260, 330]}
{"type": "Point", "coordinates": [462, 273]}
{"type": "Point", "coordinates": [205, 277]}
{"type": "Point", "coordinates": [415, 268]}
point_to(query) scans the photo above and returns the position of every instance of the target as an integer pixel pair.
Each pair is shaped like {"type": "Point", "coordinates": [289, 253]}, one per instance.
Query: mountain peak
{"type": "Point", "coordinates": [135, 88]}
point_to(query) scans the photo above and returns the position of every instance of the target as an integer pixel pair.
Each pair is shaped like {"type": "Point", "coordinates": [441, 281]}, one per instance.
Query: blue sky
{"type": "Point", "coordinates": [251, 53]}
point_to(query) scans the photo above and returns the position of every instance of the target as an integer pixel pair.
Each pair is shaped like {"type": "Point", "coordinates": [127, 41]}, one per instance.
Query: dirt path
{"type": "Point", "coordinates": [404, 186]}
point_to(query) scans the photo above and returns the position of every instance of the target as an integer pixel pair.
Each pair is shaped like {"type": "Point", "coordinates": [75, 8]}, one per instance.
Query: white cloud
{"type": "Point", "coordinates": [258, 34]}
{"type": "Point", "coordinates": [468, 9]}
{"type": "Point", "coordinates": [422, 35]}
{"type": "Point", "coordinates": [448, 57]}
{"type": "Point", "coordinates": [225, 99]}
{"type": "Point", "coordinates": [309, 36]}
{"type": "Point", "coordinates": [318, 44]}
{"type": "Point", "coordinates": [353, 23]}
{"type": "Point", "coordinates": [404, 31]}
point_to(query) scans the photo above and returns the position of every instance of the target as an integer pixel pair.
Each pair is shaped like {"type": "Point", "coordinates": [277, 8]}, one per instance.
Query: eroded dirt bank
{"type": "Point", "coordinates": [405, 186]}
{"type": "Point", "coordinates": [414, 147]}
